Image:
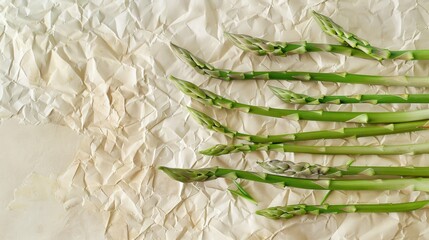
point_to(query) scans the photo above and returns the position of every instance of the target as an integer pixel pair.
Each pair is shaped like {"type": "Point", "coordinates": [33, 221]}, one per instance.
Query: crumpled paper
{"type": "Point", "coordinates": [99, 70]}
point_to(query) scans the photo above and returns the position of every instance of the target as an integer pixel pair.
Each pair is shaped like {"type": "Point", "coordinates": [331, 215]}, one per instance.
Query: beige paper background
{"type": "Point", "coordinates": [88, 114]}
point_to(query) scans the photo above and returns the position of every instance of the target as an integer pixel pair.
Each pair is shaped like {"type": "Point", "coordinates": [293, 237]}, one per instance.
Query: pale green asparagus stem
{"type": "Point", "coordinates": [290, 211]}
{"type": "Point", "coordinates": [207, 174]}
{"type": "Point", "coordinates": [211, 99]}
{"type": "Point", "coordinates": [207, 69]}
{"type": "Point", "coordinates": [393, 128]}
{"type": "Point", "coordinates": [307, 170]}
{"type": "Point", "coordinates": [264, 47]}
{"type": "Point", "coordinates": [336, 31]}
{"type": "Point", "coordinates": [292, 97]}
{"type": "Point", "coordinates": [409, 149]}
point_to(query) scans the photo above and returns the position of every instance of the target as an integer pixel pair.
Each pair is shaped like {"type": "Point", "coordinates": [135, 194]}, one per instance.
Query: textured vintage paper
{"type": "Point", "coordinates": [84, 92]}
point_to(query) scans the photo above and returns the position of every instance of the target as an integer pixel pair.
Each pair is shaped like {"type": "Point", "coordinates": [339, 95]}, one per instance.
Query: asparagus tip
{"type": "Point", "coordinates": [197, 115]}
{"type": "Point", "coordinates": [268, 213]}
{"type": "Point", "coordinates": [173, 78]}
{"type": "Point", "coordinates": [174, 173]}
{"type": "Point", "coordinates": [273, 88]}
{"type": "Point", "coordinates": [174, 46]}
{"type": "Point", "coordinates": [288, 96]}
{"type": "Point", "coordinates": [179, 51]}
{"type": "Point", "coordinates": [235, 38]}
{"type": "Point", "coordinates": [277, 91]}
{"type": "Point", "coordinates": [197, 63]}
{"type": "Point", "coordinates": [179, 82]}
{"type": "Point", "coordinates": [316, 14]}
{"type": "Point", "coordinates": [220, 149]}
{"type": "Point", "coordinates": [190, 175]}
{"type": "Point", "coordinates": [228, 34]}
{"type": "Point", "coordinates": [319, 17]}
{"type": "Point", "coordinates": [192, 110]}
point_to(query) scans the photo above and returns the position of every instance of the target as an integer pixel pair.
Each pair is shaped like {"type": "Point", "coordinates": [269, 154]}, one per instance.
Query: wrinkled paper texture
{"type": "Point", "coordinates": [89, 81]}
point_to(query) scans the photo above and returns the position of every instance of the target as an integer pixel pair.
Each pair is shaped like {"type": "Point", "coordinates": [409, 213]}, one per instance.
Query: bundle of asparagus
{"type": "Point", "coordinates": [314, 176]}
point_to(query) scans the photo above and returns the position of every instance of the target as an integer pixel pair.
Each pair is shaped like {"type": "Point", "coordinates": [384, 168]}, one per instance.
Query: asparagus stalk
{"type": "Point", "coordinates": [263, 47]}
{"type": "Point", "coordinates": [292, 97]}
{"type": "Point", "coordinates": [307, 170]}
{"type": "Point", "coordinates": [410, 149]}
{"type": "Point", "coordinates": [211, 99]}
{"type": "Point", "coordinates": [290, 211]}
{"type": "Point", "coordinates": [336, 31]}
{"type": "Point", "coordinates": [393, 128]}
{"type": "Point", "coordinates": [207, 174]}
{"type": "Point", "coordinates": [207, 69]}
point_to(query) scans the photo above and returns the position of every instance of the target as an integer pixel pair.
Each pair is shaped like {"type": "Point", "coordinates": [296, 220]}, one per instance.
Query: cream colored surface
{"type": "Point", "coordinates": [29, 208]}
{"type": "Point", "coordinates": [99, 71]}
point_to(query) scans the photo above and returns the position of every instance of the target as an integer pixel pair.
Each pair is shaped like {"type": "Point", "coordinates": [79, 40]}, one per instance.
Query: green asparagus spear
{"type": "Point", "coordinates": [263, 47]}
{"type": "Point", "coordinates": [307, 170]}
{"type": "Point", "coordinates": [207, 69]}
{"type": "Point", "coordinates": [393, 128]}
{"type": "Point", "coordinates": [292, 97]}
{"type": "Point", "coordinates": [207, 174]}
{"type": "Point", "coordinates": [211, 99]}
{"type": "Point", "coordinates": [409, 149]}
{"type": "Point", "coordinates": [290, 211]}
